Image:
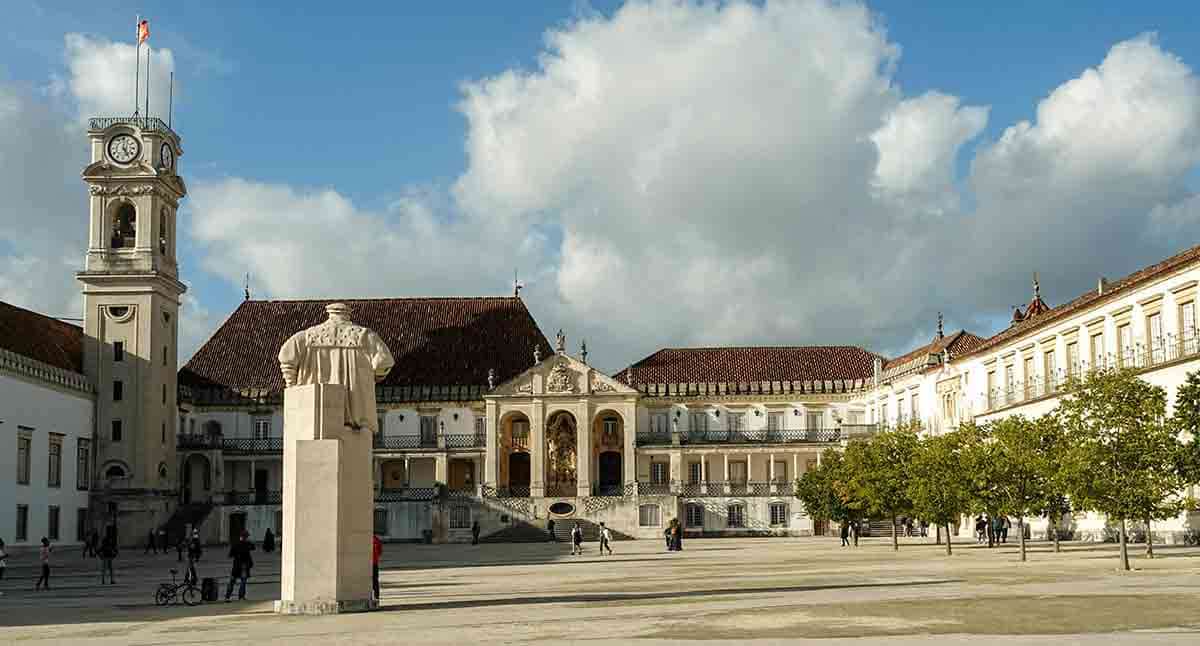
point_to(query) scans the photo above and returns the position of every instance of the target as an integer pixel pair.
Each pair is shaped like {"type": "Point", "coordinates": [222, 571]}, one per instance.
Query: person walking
{"type": "Point", "coordinates": [605, 540]}
{"type": "Point", "coordinates": [475, 533]}
{"type": "Point", "coordinates": [3, 561]}
{"type": "Point", "coordinates": [845, 534]}
{"type": "Point", "coordinates": [107, 552]}
{"type": "Point", "coordinates": [676, 535]}
{"type": "Point", "coordinates": [376, 552]}
{"type": "Point", "coordinates": [151, 545]}
{"type": "Point", "coordinates": [1005, 525]}
{"type": "Point", "coordinates": [269, 541]}
{"type": "Point", "coordinates": [577, 540]}
{"type": "Point", "coordinates": [44, 557]}
{"type": "Point", "coordinates": [239, 552]}
{"type": "Point", "coordinates": [550, 530]}
{"type": "Point", "coordinates": [194, 547]}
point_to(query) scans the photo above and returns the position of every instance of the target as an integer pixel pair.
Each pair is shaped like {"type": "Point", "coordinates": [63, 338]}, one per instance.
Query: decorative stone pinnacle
{"type": "Point", "coordinates": [583, 351]}
{"type": "Point", "coordinates": [561, 345]}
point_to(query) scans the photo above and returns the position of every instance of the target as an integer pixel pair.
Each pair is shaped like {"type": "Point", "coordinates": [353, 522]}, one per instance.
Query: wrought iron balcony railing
{"type": "Point", "coordinates": [252, 444]}
{"type": "Point", "coordinates": [465, 440]}
{"type": "Point", "coordinates": [152, 124]}
{"type": "Point", "coordinates": [738, 488]}
{"type": "Point", "coordinates": [253, 498]}
{"type": "Point", "coordinates": [405, 494]}
{"type": "Point", "coordinates": [403, 442]}
{"type": "Point", "coordinates": [762, 436]}
{"type": "Point", "coordinates": [652, 438]}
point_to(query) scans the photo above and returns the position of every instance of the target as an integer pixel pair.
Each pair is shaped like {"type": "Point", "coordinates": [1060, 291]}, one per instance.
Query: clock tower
{"type": "Point", "coordinates": [131, 293]}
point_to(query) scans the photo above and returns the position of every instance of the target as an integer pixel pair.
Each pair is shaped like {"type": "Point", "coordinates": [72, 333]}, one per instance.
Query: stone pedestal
{"type": "Point", "coordinates": [328, 505]}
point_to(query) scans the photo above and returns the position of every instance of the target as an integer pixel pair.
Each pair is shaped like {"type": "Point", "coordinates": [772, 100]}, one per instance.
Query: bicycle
{"type": "Point", "coordinates": [174, 591]}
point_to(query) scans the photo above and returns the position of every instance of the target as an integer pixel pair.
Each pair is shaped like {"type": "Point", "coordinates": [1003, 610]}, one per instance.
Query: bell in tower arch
{"type": "Point", "coordinates": [124, 230]}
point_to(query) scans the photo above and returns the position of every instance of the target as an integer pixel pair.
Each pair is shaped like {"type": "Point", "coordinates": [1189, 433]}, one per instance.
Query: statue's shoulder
{"type": "Point", "coordinates": [335, 335]}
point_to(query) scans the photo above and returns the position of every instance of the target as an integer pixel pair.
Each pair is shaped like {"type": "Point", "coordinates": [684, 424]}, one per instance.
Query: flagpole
{"type": "Point", "coordinates": [147, 81]}
{"type": "Point", "coordinates": [137, 62]}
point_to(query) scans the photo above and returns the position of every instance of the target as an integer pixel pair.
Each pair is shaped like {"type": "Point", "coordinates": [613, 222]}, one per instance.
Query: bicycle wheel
{"type": "Point", "coordinates": [163, 595]}
{"type": "Point", "coordinates": [191, 595]}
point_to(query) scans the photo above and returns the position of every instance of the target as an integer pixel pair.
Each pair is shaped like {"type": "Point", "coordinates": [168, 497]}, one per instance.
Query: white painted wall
{"type": "Point", "coordinates": [45, 409]}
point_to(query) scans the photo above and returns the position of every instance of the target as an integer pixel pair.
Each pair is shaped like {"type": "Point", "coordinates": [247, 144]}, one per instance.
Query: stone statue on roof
{"type": "Point", "coordinates": [339, 352]}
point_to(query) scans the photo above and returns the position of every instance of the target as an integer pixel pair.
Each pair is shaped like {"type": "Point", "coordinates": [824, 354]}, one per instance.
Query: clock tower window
{"type": "Point", "coordinates": [124, 230]}
{"type": "Point", "coordinates": [162, 233]}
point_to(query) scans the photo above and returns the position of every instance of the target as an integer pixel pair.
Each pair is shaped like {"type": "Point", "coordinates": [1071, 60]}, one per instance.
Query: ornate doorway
{"type": "Point", "coordinates": [561, 455]}
{"type": "Point", "coordinates": [518, 473]}
{"type": "Point", "coordinates": [608, 482]}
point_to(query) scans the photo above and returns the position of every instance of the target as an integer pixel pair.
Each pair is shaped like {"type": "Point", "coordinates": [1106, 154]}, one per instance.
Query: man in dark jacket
{"type": "Point", "coordinates": [239, 553]}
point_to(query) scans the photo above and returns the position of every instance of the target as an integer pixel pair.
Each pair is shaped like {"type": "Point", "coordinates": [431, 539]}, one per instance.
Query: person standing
{"type": "Point", "coordinates": [44, 557]}
{"type": "Point", "coordinates": [180, 547]}
{"type": "Point", "coordinates": [845, 534]}
{"type": "Point", "coordinates": [605, 540]}
{"type": "Point", "coordinates": [151, 544]}
{"type": "Point", "coordinates": [194, 547]}
{"type": "Point", "coordinates": [269, 541]}
{"type": "Point", "coordinates": [678, 533]}
{"type": "Point", "coordinates": [667, 537]}
{"type": "Point", "coordinates": [3, 561]}
{"type": "Point", "coordinates": [162, 539]}
{"type": "Point", "coordinates": [577, 540]}
{"type": "Point", "coordinates": [107, 552]}
{"type": "Point", "coordinates": [550, 529]}
{"type": "Point", "coordinates": [239, 552]}
{"type": "Point", "coordinates": [376, 552]}
{"type": "Point", "coordinates": [475, 533]}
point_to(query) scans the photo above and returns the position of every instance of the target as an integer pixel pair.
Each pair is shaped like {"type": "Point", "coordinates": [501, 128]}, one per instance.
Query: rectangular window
{"type": "Point", "coordinates": [22, 522]}
{"type": "Point", "coordinates": [779, 514]}
{"type": "Point", "coordinates": [1187, 320]}
{"type": "Point", "coordinates": [1050, 368]}
{"type": "Point", "coordinates": [262, 428]}
{"type": "Point", "coordinates": [1073, 358]}
{"type": "Point", "coordinates": [480, 426]}
{"type": "Point", "coordinates": [52, 523]}
{"type": "Point", "coordinates": [116, 430]}
{"type": "Point", "coordinates": [118, 391]}
{"type": "Point", "coordinates": [1010, 382]}
{"type": "Point", "coordinates": [1156, 341]}
{"type": "Point", "coordinates": [24, 450]}
{"type": "Point", "coordinates": [781, 471]}
{"type": "Point", "coordinates": [993, 394]}
{"type": "Point", "coordinates": [658, 473]}
{"type": "Point", "coordinates": [81, 524]}
{"type": "Point", "coordinates": [428, 430]}
{"type": "Point", "coordinates": [774, 421]}
{"type": "Point", "coordinates": [649, 516]}
{"type": "Point", "coordinates": [83, 464]}
{"type": "Point", "coordinates": [695, 472]}
{"type": "Point", "coordinates": [695, 515]}
{"type": "Point", "coordinates": [883, 413]}
{"type": "Point", "coordinates": [1097, 351]}
{"type": "Point", "coordinates": [737, 516]}
{"type": "Point", "coordinates": [1125, 347]}
{"type": "Point", "coordinates": [813, 420]}
{"type": "Point", "coordinates": [659, 424]}
{"type": "Point", "coordinates": [118, 351]}
{"type": "Point", "coordinates": [698, 422]}
{"type": "Point", "coordinates": [381, 522]}
{"type": "Point", "coordinates": [54, 469]}
{"type": "Point", "coordinates": [737, 471]}
{"type": "Point", "coordinates": [164, 394]}
{"type": "Point", "coordinates": [914, 403]}
{"type": "Point", "coordinates": [1029, 377]}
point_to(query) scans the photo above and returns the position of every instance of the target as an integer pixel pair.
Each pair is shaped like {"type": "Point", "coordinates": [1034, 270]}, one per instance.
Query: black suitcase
{"type": "Point", "coordinates": [208, 589]}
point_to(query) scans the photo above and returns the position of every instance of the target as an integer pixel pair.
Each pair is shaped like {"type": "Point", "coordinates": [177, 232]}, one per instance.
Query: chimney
{"type": "Point", "coordinates": [1101, 284]}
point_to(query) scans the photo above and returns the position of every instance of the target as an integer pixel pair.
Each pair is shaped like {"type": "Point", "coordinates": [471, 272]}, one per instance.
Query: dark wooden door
{"type": "Point", "coordinates": [609, 477]}
{"type": "Point", "coordinates": [518, 470]}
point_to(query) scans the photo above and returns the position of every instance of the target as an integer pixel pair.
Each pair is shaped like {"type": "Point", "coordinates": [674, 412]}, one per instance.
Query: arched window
{"type": "Point", "coordinates": [649, 516]}
{"type": "Point", "coordinates": [736, 515]}
{"type": "Point", "coordinates": [779, 514]}
{"type": "Point", "coordinates": [124, 229]}
{"type": "Point", "coordinates": [115, 471]}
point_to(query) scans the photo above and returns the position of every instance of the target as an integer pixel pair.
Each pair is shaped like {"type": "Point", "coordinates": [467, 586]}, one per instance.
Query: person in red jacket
{"type": "Point", "coordinates": [376, 552]}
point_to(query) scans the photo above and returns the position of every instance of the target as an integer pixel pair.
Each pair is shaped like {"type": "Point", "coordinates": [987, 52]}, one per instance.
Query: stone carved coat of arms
{"type": "Point", "coordinates": [561, 380]}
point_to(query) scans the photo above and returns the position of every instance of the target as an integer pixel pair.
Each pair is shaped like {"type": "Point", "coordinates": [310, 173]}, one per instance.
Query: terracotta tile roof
{"type": "Point", "coordinates": [41, 338]}
{"type": "Point", "coordinates": [1112, 290]}
{"type": "Point", "coordinates": [752, 364]}
{"type": "Point", "coordinates": [436, 341]}
{"type": "Point", "coordinates": [960, 342]}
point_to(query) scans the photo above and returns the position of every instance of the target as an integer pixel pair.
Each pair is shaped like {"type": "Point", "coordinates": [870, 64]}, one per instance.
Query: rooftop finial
{"type": "Point", "coordinates": [246, 287]}
{"type": "Point", "coordinates": [629, 376]}
{"type": "Point", "coordinates": [940, 332]}
{"type": "Point", "coordinates": [560, 342]}
{"type": "Point", "coordinates": [517, 285]}
{"type": "Point", "coordinates": [491, 377]}
{"type": "Point", "coordinates": [583, 351]}
{"type": "Point", "coordinates": [537, 354]}
{"type": "Point", "coordinates": [1037, 287]}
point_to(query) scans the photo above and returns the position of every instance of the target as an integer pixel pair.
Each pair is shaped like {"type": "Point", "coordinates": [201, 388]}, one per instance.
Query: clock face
{"type": "Point", "coordinates": [167, 155]}
{"type": "Point", "coordinates": [124, 148]}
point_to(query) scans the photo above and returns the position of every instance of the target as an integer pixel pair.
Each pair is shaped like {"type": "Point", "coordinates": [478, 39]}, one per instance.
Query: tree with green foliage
{"type": "Point", "coordinates": [824, 493]}
{"type": "Point", "coordinates": [1124, 454]}
{"type": "Point", "coordinates": [939, 485]}
{"type": "Point", "coordinates": [979, 460]}
{"type": "Point", "coordinates": [1020, 476]}
{"type": "Point", "coordinates": [1186, 422]}
{"type": "Point", "coordinates": [1054, 447]}
{"type": "Point", "coordinates": [877, 473]}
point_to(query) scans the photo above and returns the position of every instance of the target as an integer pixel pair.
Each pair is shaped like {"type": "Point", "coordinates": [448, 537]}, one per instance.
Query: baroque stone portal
{"type": "Point", "coordinates": [561, 449]}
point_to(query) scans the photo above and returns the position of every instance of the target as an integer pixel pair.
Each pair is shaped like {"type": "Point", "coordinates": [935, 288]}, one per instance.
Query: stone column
{"type": "Point", "coordinates": [440, 469]}
{"type": "Point", "coordinates": [327, 513]}
{"type": "Point", "coordinates": [725, 486]}
{"type": "Point", "coordinates": [703, 473]}
{"type": "Point", "coordinates": [674, 474]}
{"type": "Point", "coordinates": [537, 450]}
{"type": "Point", "coordinates": [629, 439]}
{"type": "Point", "coordinates": [771, 471]}
{"type": "Point", "coordinates": [583, 449]}
{"type": "Point", "coordinates": [491, 450]}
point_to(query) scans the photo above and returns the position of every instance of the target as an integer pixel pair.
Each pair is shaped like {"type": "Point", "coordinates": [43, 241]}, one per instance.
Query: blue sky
{"type": "Point", "coordinates": [360, 99]}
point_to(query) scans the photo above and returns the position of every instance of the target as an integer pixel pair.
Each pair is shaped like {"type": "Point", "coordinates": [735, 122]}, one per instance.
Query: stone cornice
{"type": "Point", "coordinates": [22, 366]}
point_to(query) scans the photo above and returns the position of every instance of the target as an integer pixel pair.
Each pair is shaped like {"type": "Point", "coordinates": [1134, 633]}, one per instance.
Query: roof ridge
{"type": "Point", "coordinates": [382, 298]}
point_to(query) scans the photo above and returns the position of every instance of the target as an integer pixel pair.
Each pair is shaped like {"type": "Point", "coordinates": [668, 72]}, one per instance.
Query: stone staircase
{"type": "Point", "coordinates": [591, 531]}
{"type": "Point", "coordinates": [186, 515]}
{"type": "Point", "coordinates": [519, 532]}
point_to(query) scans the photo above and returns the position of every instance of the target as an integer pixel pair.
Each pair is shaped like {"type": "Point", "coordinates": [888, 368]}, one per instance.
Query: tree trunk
{"type": "Point", "coordinates": [895, 539]}
{"type": "Point", "coordinates": [1149, 540]}
{"type": "Point", "coordinates": [1124, 547]}
{"type": "Point", "coordinates": [938, 530]}
{"type": "Point", "coordinates": [949, 550]}
{"type": "Point", "coordinates": [991, 533]}
{"type": "Point", "coordinates": [1021, 529]}
{"type": "Point", "coordinates": [1054, 528]}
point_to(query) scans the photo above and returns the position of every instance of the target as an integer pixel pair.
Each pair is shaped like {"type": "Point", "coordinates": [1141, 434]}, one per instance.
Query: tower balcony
{"type": "Point", "coordinates": [145, 124]}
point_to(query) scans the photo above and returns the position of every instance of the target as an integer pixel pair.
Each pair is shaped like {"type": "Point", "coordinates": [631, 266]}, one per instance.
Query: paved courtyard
{"type": "Point", "coordinates": [722, 591]}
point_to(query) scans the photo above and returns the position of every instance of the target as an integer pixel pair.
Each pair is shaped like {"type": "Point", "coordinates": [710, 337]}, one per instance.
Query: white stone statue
{"type": "Point", "coordinates": [339, 352]}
